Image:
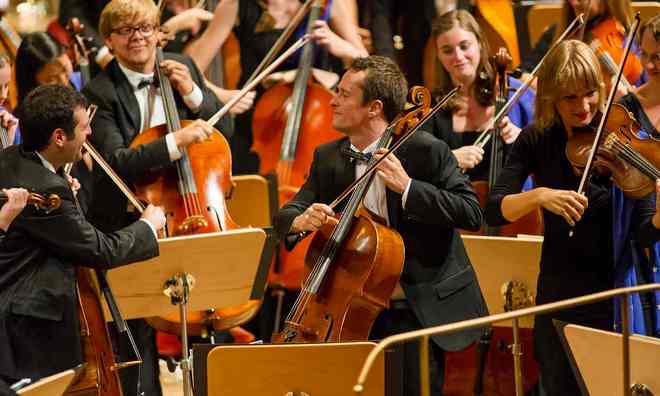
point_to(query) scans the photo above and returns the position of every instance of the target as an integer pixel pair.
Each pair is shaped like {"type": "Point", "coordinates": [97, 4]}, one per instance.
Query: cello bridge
{"type": "Point", "coordinates": [192, 224]}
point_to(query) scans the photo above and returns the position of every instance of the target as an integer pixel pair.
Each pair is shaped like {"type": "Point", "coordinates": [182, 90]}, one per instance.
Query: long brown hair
{"type": "Point", "coordinates": [572, 64]}
{"type": "Point", "coordinates": [482, 89]}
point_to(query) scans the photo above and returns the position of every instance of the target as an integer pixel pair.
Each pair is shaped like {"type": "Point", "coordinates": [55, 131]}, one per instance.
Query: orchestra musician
{"type": "Point", "coordinates": [570, 97]}
{"type": "Point", "coordinates": [257, 26]}
{"type": "Point", "coordinates": [128, 104]}
{"type": "Point", "coordinates": [419, 191]}
{"type": "Point", "coordinates": [644, 104]}
{"type": "Point", "coordinates": [615, 13]}
{"type": "Point", "coordinates": [39, 324]}
{"type": "Point", "coordinates": [42, 60]}
{"type": "Point", "coordinates": [7, 120]}
{"type": "Point", "coordinates": [463, 51]}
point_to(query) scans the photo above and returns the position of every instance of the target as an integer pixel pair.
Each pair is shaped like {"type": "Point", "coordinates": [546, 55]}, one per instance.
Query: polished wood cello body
{"type": "Point", "coordinates": [193, 194]}
{"type": "Point", "coordinates": [289, 122]}
{"type": "Point", "coordinates": [353, 267]}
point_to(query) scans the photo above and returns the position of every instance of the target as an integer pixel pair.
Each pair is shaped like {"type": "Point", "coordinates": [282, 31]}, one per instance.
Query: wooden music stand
{"type": "Point", "coordinates": [197, 272]}
{"type": "Point", "coordinates": [292, 369]}
{"type": "Point", "coordinates": [223, 264]}
{"type": "Point", "coordinates": [54, 385]}
{"type": "Point", "coordinates": [596, 356]}
{"type": "Point", "coordinates": [499, 260]}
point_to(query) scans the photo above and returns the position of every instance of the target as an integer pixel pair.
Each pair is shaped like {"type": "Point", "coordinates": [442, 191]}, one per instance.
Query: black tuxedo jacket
{"type": "Point", "coordinates": [39, 326]}
{"type": "Point", "coordinates": [116, 124]}
{"type": "Point", "coordinates": [437, 278]}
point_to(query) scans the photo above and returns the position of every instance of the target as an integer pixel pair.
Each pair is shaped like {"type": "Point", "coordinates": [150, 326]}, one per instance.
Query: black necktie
{"type": "Point", "coordinates": [356, 155]}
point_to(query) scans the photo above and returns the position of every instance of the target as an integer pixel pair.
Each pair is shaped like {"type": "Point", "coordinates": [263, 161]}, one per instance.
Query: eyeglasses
{"type": "Point", "coordinates": [126, 31]}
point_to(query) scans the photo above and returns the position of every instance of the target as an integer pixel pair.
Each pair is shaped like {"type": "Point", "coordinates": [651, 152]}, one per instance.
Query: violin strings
{"type": "Point", "coordinates": [637, 160]}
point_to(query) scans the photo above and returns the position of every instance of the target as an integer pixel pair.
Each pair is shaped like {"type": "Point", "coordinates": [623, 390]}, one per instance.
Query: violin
{"type": "Point", "coordinates": [47, 204]}
{"type": "Point", "coordinates": [352, 268]}
{"type": "Point", "coordinates": [631, 162]}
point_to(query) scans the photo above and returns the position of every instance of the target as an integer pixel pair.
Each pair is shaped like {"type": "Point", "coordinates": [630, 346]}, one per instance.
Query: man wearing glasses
{"type": "Point", "coordinates": [129, 103]}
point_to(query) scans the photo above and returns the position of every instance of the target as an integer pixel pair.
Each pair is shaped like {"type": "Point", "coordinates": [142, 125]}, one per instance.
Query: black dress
{"type": "Point", "coordinates": [633, 105]}
{"type": "Point", "coordinates": [570, 266]}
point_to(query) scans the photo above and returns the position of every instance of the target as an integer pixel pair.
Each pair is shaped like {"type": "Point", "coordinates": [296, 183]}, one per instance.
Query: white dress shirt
{"type": "Point", "coordinates": [193, 100]}
{"type": "Point", "coordinates": [376, 200]}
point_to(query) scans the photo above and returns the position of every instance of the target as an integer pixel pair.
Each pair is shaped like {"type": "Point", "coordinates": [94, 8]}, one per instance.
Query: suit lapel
{"type": "Point", "coordinates": [127, 100]}
{"type": "Point", "coordinates": [343, 172]}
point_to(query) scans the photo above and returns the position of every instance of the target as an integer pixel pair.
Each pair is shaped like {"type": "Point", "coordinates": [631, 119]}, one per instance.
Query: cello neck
{"type": "Point", "coordinates": [292, 129]}
{"type": "Point", "coordinates": [313, 283]}
{"type": "Point", "coordinates": [167, 94]}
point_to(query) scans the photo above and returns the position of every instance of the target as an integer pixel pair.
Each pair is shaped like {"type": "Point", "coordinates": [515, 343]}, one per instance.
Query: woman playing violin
{"type": "Point", "coordinates": [463, 54]}
{"type": "Point", "coordinates": [570, 96]}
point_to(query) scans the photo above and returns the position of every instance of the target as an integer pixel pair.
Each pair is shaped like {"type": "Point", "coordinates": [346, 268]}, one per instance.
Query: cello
{"type": "Point", "coordinates": [353, 267]}
{"type": "Point", "coordinates": [289, 122]}
{"type": "Point", "coordinates": [193, 194]}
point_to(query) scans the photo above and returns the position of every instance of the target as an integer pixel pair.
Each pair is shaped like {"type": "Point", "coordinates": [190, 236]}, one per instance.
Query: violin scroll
{"type": "Point", "coordinates": [47, 204]}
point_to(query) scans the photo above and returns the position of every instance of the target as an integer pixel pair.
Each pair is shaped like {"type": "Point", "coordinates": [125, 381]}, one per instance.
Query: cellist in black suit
{"type": "Point", "coordinates": [419, 191]}
{"type": "Point", "coordinates": [128, 104]}
{"type": "Point", "coordinates": [39, 324]}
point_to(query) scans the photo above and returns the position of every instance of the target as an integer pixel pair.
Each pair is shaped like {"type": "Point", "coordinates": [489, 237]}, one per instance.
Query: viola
{"type": "Point", "coordinates": [352, 268]}
{"type": "Point", "coordinates": [47, 204]}
{"type": "Point", "coordinates": [631, 162]}
{"type": "Point", "coordinates": [607, 39]}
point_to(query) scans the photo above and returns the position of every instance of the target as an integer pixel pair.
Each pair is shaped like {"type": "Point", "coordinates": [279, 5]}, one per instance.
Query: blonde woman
{"type": "Point", "coordinates": [570, 97]}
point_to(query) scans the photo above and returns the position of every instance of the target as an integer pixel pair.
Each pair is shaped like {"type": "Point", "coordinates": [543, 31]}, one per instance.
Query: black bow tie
{"type": "Point", "coordinates": [356, 155]}
{"type": "Point", "coordinates": [145, 82]}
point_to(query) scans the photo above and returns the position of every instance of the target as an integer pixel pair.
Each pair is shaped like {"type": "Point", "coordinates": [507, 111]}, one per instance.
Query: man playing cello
{"type": "Point", "coordinates": [420, 192]}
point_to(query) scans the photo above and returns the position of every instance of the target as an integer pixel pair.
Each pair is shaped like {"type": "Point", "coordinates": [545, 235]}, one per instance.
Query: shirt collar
{"type": "Point", "coordinates": [370, 148]}
{"type": "Point", "coordinates": [134, 77]}
{"type": "Point", "coordinates": [45, 162]}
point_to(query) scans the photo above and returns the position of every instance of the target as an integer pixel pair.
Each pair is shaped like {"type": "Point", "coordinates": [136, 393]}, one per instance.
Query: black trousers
{"type": "Point", "coordinates": [399, 319]}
